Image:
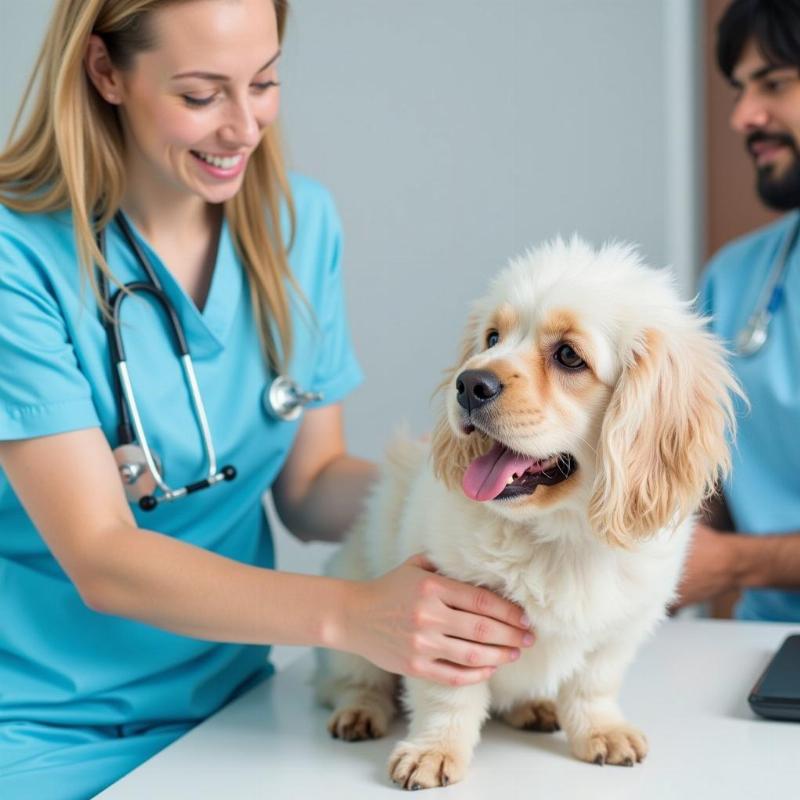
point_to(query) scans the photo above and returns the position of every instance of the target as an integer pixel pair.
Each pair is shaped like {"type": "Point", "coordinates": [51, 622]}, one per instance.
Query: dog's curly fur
{"type": "Point", "coordinates": [594, 560]}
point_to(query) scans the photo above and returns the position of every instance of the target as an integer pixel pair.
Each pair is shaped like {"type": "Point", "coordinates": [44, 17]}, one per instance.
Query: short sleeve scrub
{"type": "Point", "coordinates": [85, 697]}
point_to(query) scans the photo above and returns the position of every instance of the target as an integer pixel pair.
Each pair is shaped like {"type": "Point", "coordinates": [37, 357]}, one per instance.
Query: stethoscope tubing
{"type": "Point", "coordinates": [130, 419]}
{"type": "Point", "coordinates": [753, 336]}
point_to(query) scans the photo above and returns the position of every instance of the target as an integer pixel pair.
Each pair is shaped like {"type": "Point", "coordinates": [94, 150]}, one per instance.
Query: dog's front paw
{"type": "Point", "coordinates": [622, 745]}
{"type": "Point", "coordinates": [533, 715]}
{"type": "Point", "coordinates": [354, 724]}
{"type": "Point", "coordinates": [425, 768]}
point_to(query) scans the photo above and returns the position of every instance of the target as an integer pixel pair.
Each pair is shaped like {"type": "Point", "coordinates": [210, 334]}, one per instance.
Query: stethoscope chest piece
{"type": "Point", "coordinates": [753, 336]}
{"type": "Point", "coordinates": [284, 399]}
{"type": "Point", "coordinates": [137, 478]}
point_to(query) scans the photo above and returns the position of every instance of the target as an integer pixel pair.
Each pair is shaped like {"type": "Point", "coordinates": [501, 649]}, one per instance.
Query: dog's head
{"type": "Point", "coordinates": [585, 382]}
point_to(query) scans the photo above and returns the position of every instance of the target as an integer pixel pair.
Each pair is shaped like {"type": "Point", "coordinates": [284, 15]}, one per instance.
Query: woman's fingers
{"type": "Point", "coordinates": [416, 622]}
{"type": "Point", "coordinates": [471, 654]}
{"type": "Point", "coordinates": [484, 603]}
{"type": "Point", "coordinates": [486, 630]}
{"type": "Point", "coordinates": [423, 562]}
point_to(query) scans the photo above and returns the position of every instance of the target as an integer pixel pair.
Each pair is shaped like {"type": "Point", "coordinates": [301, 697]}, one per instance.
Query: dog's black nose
{"type": "Point", "coordinates": [476, 387]}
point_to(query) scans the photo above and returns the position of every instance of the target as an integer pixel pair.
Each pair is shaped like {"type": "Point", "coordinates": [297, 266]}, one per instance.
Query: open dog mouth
{"type": "Point", "coordinates": [502, 473]}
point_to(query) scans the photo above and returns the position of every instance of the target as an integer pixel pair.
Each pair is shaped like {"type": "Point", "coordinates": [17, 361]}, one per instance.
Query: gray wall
{"type": "Point", "coordinates": [454, 134]}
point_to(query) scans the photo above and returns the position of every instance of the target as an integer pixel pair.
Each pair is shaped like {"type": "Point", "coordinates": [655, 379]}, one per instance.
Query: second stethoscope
{"type": "Point", "coordinates": [754, 334]}
{"type": "Point", "coordinates": [139, 467]}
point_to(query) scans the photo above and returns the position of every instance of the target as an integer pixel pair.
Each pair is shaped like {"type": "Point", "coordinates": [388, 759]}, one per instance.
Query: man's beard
{"type": "Point", "coordinates": [783, 192]}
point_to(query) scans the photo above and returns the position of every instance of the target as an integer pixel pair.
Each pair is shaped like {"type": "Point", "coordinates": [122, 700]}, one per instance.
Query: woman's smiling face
{"type": "Point", "coordinates": [194, 107]}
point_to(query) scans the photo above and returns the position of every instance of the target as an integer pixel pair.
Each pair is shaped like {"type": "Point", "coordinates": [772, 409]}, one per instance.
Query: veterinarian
{"type": "Point", "coordinates": [150, 157]}
{"type": "Point", "coordinates": [751, 290]}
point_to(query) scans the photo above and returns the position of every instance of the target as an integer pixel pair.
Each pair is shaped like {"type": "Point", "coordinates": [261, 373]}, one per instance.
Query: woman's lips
{"type": "Point", "coordinates": [223, 167]}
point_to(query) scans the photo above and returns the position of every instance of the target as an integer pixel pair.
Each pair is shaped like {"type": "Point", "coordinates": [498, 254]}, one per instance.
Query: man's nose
{"type": "Point", "coordinates": [749, 114]}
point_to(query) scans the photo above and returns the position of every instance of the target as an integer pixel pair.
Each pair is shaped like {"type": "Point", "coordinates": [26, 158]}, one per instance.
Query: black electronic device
{"type": "Point", "coordinates": [776, 694]}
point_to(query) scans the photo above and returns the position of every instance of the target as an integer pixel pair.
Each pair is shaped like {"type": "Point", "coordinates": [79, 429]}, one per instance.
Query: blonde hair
{"type": "Point", "coordinates": [70, 154]}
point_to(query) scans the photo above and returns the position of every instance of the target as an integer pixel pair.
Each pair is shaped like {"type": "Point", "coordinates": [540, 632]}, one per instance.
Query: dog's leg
{"type": "Point", "coordinates": [533, 715]}
{"type": "Point", "coordinates": [445, 727]}
{"type": "Point", "coordinates": [361, 695]}
{"type": "Point", "coordinates": [589, 713]}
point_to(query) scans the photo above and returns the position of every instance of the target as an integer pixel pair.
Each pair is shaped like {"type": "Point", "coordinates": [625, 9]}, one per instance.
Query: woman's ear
{"type": "Point", "coordinates": [451, 451]}
{"type": "Point", "coordinates": [104, 76]}
{"type": "Point", "coordinates": [663, 442]}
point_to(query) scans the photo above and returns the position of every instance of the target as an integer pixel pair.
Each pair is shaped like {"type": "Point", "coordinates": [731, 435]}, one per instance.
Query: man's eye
{"type": "Point", "coordinates": [492, 338]}
{"type": "Point", "coordinates": [568, 358]}
{"type": "Point", "coordinates": [778, 83]}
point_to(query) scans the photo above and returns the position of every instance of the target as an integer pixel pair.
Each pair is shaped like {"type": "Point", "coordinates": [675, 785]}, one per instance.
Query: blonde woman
{"type": "Point", "coordinates": [152, 124]}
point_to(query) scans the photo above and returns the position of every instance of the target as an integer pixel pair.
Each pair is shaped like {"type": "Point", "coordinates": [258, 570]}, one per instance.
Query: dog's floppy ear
{"type": "Point", "coordinates": [663, 443]}
{"type": "Point", "coordinates": [451, 452]}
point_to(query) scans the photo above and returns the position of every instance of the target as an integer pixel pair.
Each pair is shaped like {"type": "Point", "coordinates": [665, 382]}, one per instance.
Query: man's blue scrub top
{"type": "Point", "coordinates": [75, 683]}
{"type": "Point", "coordinates": [763, 492]}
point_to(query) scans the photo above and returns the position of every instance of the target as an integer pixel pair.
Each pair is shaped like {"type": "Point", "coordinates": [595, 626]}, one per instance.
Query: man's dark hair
{"type": "Point", "coordinates": [774, 26]}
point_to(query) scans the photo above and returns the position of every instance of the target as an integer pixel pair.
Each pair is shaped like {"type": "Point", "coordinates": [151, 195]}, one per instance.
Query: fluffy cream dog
{"type": "Point", "coordinates": [583, 424]}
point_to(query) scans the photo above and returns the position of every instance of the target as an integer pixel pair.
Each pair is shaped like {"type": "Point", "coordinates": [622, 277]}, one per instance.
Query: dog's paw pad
{"type": "Point", "coordinates": [622, 746]}
{"type": "Point", "coordinates": [534, 715]}
{"type": "Point", "coordinates": [414, 768]}
{"type": "Point", "coordinates": [356, 724]}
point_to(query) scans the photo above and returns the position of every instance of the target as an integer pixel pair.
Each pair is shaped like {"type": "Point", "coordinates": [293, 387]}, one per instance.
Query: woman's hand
{"type": "Point", "coordinates": [415, 622]}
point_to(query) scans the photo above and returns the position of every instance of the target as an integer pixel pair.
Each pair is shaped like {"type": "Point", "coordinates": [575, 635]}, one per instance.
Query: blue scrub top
{"type": "Point", "coordinates": [62, 665]}
{"type": "Point", "coordinates": [763, 492]}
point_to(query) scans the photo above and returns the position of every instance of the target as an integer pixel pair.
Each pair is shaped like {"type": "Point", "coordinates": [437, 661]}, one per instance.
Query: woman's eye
{"type": "Point", "coordinates": [262, 87]}
{"type": "Point", "coordinates": [197, 102]}
{"type": "Point", "coordinates": [568, 358]}
{"type": "Point", "coordinates": [492, 338]}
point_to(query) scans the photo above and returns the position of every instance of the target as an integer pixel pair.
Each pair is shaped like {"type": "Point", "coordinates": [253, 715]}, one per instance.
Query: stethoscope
{"type": "Point", "coordinates": [139, 467]}
{"type": "Point", "coordinates": [754, 334]}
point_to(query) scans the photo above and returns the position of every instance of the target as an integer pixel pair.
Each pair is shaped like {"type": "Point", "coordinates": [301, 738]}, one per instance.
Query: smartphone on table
{"type": "Point", "coordinates": [776, 694]}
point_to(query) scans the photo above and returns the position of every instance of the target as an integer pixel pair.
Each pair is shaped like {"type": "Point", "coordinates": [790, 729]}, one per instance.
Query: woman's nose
{"type": "Point", "coordinates": [242, 129]}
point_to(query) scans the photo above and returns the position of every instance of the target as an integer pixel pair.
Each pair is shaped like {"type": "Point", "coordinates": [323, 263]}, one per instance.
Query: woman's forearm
{"type": "Point", "coordinates": [333, 500]}
{"type": "Point", "coordinates": [184, 589]}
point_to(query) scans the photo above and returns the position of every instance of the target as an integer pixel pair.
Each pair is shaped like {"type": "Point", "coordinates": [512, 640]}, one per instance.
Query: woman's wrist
{"type": "Point", "coordinates": [335, 630]}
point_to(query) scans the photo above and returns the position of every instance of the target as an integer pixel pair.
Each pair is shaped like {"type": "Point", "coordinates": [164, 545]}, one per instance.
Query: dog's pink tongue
{"type": "Point", "coordinates": [488, 475]}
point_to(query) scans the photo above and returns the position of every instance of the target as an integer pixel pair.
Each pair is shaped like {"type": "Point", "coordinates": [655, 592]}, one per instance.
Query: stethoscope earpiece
{"type": "Point", "coordinates": [228, 473]}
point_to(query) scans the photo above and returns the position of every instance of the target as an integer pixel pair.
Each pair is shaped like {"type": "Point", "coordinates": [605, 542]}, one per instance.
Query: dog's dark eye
{"type": "Point", "coordinates": [492, 338]}
{"type": "Point", "coordinates": [568, 358]}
